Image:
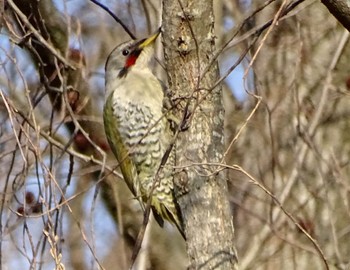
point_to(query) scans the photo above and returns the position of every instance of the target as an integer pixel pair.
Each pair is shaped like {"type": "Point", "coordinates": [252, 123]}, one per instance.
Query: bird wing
{"type": "Point", "coordinates": [118, 148]}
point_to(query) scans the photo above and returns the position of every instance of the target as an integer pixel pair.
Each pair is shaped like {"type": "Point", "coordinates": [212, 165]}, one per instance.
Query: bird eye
{"type": "Point", "coordinates": [125, 52]}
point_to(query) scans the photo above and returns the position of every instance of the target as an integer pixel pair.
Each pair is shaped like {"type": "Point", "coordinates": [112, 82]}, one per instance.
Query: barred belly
{"type": "Point", "coordinates": [141, 130]}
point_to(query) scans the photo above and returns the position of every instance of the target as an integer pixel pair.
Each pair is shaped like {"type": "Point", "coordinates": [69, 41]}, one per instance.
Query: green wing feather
{"type": "Point", "coordinates": [129, 170]}
{"type": "Point", "coordinates": [127, 166]}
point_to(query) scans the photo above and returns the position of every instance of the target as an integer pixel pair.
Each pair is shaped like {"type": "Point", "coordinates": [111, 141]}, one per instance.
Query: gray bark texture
{"type": "Point", "coordinates": [189, 44]}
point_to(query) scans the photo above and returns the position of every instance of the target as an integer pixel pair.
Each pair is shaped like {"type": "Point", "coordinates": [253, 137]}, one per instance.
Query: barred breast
{"type": "Point", "coordinates": [141, 129]}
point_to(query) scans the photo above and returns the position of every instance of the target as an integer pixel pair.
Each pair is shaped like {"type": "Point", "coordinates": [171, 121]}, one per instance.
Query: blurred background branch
{"type": "Point", "coordinates": [340, 9]}
{"type": "Point", "coordinates": [60, 207]}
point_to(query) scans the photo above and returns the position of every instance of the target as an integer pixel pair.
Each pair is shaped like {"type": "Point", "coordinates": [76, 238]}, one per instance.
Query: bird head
{"type": "Point", "coordinates": [129, 55]}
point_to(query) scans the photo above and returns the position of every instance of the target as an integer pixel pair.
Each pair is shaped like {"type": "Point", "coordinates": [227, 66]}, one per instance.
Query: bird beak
{"type": "Point", "coordinates": [150, 40]}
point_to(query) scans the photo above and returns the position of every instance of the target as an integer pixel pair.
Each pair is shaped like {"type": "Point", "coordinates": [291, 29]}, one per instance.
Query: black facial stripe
{"type": "Point", "coordinates": [123, 72]}
{"type": "Point", "coordinates": [134, 53]}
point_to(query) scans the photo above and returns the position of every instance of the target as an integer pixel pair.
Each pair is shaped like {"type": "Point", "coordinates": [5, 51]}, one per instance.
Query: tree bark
{"type": "Point", "coordinates": [201, 190]}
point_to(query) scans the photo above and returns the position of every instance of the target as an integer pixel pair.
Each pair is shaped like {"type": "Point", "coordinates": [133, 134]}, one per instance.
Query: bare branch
{"type": "Point", "coordinates": [340, 9]}
{"type": "Point", "coordinates": [114, 17]}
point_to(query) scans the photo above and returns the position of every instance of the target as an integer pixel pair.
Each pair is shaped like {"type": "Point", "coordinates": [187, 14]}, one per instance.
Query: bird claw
{"type": "Point", "coordinates": [181, 125]}
{"type": "Point", "coordinates": [186, 121]}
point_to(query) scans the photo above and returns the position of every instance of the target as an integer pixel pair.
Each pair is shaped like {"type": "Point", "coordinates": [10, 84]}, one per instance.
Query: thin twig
{"type": "Point", "coordinates": [114, 17]}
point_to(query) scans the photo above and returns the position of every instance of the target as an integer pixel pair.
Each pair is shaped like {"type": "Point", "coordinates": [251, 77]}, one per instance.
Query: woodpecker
{"type": "Point", "coordinates": [137, 129]}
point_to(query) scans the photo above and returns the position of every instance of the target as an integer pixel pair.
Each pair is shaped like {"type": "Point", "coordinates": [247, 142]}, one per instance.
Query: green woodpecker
{"type": "Point", "coordinates": [137, 129]}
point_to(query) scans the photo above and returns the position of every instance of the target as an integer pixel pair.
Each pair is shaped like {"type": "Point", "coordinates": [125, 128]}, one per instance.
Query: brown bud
{"type": "Point", "coordinates": [307, 225]}
{"type": "Point", "coordinates": [81, 142]}
{"type": "Point", "coordinates": [37, 208]}
{"type": "Point", "coordinates": [77, 56]}
{"type": "Point", "coordinates": [348, 83]}
{"type": "Point", "coordinates": [30, 198]}
{"type": "Point", "coordinates": [20, 210]}
{"type": "Point", "coordinates": [73, 98]}
{"type": "Point", "coordinates": [104, 146]}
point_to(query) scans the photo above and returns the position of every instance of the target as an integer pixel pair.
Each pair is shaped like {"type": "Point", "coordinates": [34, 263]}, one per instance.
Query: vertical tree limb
{"type": "Point", "coordinates": [189, 43]}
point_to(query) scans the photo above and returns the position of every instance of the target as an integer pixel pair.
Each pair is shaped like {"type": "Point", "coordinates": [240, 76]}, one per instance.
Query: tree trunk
{"type": "Point", "coordinates": [201, 190]}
